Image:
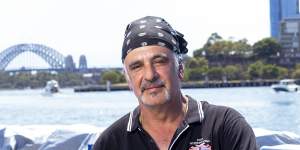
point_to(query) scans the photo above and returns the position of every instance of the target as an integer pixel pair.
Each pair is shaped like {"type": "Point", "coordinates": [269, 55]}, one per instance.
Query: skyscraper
{"type": "Point", "coordinates": [289, 38]}
{"type": "Point", "coordinates": [279, 10]}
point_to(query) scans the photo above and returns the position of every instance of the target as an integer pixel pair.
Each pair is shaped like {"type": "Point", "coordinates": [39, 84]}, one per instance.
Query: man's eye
{"type": "Point", "coordinates": [160, 60]}
{"type": "Point", "coordinates": [134, 67]}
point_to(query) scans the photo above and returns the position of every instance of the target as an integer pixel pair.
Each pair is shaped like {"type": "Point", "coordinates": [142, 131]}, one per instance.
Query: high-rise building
{"type": "Point", "coordinates": [289, 38]}
{"type": "Point", "coordinates": [279, 10]}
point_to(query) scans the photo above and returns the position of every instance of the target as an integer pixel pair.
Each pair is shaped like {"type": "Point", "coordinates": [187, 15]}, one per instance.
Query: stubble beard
{"type": "Point", "coordinates": [155, 98]}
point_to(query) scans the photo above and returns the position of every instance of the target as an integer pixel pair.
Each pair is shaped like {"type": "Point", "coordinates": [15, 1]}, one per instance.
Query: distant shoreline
{"type": "Point", "coordinates": [185, 85]}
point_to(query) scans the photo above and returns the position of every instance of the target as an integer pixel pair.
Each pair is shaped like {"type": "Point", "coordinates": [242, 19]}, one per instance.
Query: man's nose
{"type": "Point", "coordinates": [150, 73]}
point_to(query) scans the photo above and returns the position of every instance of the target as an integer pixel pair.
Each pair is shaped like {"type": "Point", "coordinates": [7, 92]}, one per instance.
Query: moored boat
{"type": "Point", "coordinates": [52, 87]}
{"type": "Point", "coordinates": [286, 85]}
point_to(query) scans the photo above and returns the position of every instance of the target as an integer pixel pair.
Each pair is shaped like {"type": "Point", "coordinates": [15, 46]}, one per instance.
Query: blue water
{"type": "Point", "coordinates": [262, 107]}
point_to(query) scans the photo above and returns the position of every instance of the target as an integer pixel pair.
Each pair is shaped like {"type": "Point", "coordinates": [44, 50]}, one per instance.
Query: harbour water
{"type": "Point", "coordinates": [261, 106]}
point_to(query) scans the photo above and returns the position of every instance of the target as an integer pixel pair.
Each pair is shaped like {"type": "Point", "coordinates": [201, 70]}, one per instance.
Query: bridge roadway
{"type": "Point", "coordinates": [76, 70]}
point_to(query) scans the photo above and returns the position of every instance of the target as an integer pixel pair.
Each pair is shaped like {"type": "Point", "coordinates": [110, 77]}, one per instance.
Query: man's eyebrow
{"type": "Point", "coordinates": [159, 56]}
{"type": "Point", "coordinates": [132, 64]}
{"type": "Point", "coordinates": [137, 62]}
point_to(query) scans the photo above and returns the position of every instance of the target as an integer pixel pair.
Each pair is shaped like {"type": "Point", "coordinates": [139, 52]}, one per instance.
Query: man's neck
{"type": "Point", "coordinates": [168, 112]}
{"type": "Point", "coordinates": [162, 122]}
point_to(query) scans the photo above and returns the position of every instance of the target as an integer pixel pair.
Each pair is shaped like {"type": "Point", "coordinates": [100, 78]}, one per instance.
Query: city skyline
{"type": "Point", "coordinates": [96, 28]}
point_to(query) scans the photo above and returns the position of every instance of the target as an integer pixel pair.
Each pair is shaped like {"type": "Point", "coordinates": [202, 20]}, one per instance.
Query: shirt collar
{"type": "Point", "coordinates": [133, 121]}
{"type": "Point", "coordinates": [194, 114]}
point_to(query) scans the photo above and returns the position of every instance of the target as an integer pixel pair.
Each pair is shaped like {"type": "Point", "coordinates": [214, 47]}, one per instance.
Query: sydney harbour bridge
{"type": "Point", "coordinates": [52, 57]}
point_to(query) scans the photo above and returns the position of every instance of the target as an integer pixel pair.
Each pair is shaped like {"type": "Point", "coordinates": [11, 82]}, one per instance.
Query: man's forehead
{"type": "Point", "coordinates": [147, 52]}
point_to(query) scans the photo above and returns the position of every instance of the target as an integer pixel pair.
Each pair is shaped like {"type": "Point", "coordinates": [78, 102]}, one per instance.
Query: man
{"type": "Point", "coordinates": [165, 118]}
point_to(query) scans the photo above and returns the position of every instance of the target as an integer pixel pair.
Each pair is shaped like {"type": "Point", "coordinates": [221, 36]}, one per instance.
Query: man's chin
{"type": "Point", "coordinates": [154, 98]}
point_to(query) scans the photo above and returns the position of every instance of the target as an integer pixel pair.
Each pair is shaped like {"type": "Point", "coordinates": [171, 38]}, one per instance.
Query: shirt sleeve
{"type": "Point", "coordinates": [237, 133]}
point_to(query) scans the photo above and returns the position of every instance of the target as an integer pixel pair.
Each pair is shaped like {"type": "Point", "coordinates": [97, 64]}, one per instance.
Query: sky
{"type": "Point", "coordinates": [96, 28]}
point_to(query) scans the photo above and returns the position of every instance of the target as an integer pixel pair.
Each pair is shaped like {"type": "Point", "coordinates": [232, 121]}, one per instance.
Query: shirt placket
{"type": "Point", "coordinates": [150, 143]}
{"type": "Point", "coordinates": [184, 126]}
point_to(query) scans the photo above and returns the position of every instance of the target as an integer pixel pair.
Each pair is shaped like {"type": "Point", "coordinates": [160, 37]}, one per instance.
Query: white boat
{"type": "Point", "coordinates": [52, 87]}
{"type": "Point", "coordinates": [286, 85]}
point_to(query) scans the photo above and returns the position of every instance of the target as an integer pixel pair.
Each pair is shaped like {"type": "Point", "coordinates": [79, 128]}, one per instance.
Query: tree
{"type": "Point", "coordinates": [270, 72]}
{"type": "Point", "coordinates": [297, 66]}
{"type": "Point", "coordinates": [259, 70]}
{"type": "Point", "coordinates": [255, 70]}
{"type": "Point", "coordinates": [196, 62]}
{"type": "Point", "coordinates": [232, 72]}
{"type": "Point", "coordinates": [215, 73]}
{"type": "Point", "coordinates": [266, 48]}
{"type": "Point", "coordinates": [5, 81]}
{"type": "Point", "coordinates": [195, 74]}
{"type": "Point", "coordinates": [283, 72]}
{"type": "Point", "coordinates": [223, 52]}
{"type": "Point", "coordinates": [242, 48]}
{"type": "Point", "coordinates": [112, 76]}
{"type": "Point", "coordinates": [214, 37]}
{"type": "Point", "coordinates": [296, 72]}
{"type": "Point", "coordinates": [67, 79]}
{"type": "Point", "coordinates": [22, 80]}
{"type": "Point", "coordinates": [195, 69]}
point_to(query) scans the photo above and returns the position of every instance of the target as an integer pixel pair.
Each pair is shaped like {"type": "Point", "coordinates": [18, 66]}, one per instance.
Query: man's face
{"type": "Point", "coordinates": [153, 75]}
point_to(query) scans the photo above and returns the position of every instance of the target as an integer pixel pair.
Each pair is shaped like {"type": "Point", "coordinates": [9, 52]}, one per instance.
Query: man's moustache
{"type": "Point", "coordinates": [147, 85]}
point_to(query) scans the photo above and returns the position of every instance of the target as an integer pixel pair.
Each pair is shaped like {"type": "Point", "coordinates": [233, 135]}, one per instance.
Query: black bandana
{"type": "Point", "coordinates": [152, 31]}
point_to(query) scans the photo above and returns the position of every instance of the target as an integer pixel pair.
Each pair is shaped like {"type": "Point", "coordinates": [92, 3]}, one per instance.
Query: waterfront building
{"type": "Point", "coordinates": [289, 39]}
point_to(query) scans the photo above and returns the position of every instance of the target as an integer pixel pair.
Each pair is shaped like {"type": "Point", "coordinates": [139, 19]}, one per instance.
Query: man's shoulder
{"type": "Point", "coordinates": [230, 126]}
{"type": "Point", "coordinates": [118, 127]}
{"type": "Point", "coordinates": [227, 125]}
{"type": "Point", "coordinates": [216, 114]}
{"type": "Point", "coordinates": [212, 110]}
{"type": "Point", "coordinates": [219, 110]}
{"type": "Point", "coordinates": [110, 136]}
{"type": "Point", "coordinates": [224, 118]}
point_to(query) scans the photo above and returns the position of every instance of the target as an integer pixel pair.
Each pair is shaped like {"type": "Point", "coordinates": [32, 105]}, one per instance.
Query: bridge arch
{"type": "Point", "coordinates": [55, 59]}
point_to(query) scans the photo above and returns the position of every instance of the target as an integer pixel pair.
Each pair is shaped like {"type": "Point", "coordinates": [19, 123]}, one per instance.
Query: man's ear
{"type": "Point", "coordinates": [181, 71]}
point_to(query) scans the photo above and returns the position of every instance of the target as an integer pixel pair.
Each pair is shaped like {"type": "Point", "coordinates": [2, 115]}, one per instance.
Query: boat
{"type": "Point", "coordinates": [52, 86]}
{"type": "Point", "coordinates": [286, 85]}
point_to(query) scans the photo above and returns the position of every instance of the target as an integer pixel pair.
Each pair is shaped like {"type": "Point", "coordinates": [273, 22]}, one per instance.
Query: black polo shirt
{"type": "Point", "coordinates": [205, 127]}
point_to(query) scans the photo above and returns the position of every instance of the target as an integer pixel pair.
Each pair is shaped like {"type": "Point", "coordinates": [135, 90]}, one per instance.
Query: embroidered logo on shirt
{"type": "Point", "coordinates": [200, 144]}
